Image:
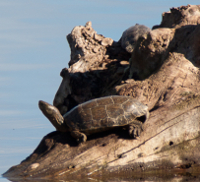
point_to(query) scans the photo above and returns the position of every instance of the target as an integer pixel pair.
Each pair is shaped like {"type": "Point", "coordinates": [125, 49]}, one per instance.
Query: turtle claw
{"type": "Point", "coordinates": [135, 129]}
{"type": "Point", "coordinates": [81, 137]}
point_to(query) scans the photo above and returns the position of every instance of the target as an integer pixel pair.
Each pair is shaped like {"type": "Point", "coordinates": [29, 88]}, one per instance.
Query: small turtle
{"type": "Point", "coordinates": [131, 35]}
{"type": "Point", "coordinates": [98, 115]}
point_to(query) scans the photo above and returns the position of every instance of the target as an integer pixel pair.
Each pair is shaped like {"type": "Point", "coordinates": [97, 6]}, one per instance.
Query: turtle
{"type": "Point", "coordinates": [130, 36]}
{"type": "Point", "coordinates": [98, 115]}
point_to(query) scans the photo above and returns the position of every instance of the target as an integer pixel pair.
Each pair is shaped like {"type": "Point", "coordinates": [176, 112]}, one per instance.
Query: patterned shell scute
{"type": "Point", "coordinates": [114, 110]}
{"type": "Point", "coordinates": [104, 101]}
{"type": "Point", "coordinates": [119, 99]}
{"type": "Point", "coordinates": [104, 112]}
{"type": "Point", "coordinates": [99, 112]}
{"type": "Point", "coordinates": [107, 122]}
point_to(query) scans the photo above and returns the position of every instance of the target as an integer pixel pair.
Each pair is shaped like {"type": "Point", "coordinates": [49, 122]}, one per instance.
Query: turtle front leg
{"type": "Point", "coordinates": [81, 137]}
{"type": "Point", "coordinates": [135, 129]}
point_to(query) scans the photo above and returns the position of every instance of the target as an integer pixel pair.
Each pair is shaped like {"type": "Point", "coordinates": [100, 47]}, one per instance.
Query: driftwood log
{"type": "Point", "coordinates": [162, 72]}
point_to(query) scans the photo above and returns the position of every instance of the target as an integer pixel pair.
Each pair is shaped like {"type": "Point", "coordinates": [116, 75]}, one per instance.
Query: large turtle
{"type": "Point", "coordinates": [131, 35]}
{"type": "Point", "coordinates": [98, 115]}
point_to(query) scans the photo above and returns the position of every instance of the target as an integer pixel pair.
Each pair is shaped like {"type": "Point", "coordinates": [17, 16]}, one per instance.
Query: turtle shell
{"type": "Point", "coordinates": [105, 112]}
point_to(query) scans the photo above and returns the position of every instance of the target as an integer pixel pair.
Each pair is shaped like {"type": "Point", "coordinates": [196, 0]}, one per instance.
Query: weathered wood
{"type": "Point", "coordinates": [163, 73]}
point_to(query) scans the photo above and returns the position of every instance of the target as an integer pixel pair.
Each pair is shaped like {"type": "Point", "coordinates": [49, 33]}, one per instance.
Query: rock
{"type": "Point", "coordinates": [163, 73]}
{"type": "Point", "coordinates": [131, 35]}
{"type": "Point", "coordinates": [152, 52]}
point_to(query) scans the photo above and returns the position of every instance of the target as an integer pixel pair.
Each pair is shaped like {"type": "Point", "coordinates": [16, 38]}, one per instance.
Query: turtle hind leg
{"type": "Point", "coordinates": [135, 128]}
{"type": "Point", "coordinates": [81, 137]}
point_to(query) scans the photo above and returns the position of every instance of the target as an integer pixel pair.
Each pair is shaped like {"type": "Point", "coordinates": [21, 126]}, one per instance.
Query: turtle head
{"type": "Point", "coordinates": [53, 114]}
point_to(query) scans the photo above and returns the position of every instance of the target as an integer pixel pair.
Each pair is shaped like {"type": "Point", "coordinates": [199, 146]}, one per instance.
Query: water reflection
{"type": "Point", "coordinates": [150, 179]}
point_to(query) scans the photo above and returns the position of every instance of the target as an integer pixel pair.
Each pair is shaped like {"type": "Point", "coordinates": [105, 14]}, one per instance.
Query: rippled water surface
{"type": "Point", "coordinates": [34, 50]}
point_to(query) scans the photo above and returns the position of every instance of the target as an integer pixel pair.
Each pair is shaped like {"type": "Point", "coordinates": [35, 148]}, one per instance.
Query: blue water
{"type": "Point", "coordinates": [34, 50]}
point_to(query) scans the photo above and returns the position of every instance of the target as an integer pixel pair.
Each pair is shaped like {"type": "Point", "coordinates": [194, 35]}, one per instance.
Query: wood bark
{"type": "Point", "coordinates": [162, 72]}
